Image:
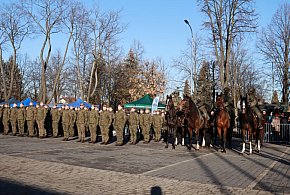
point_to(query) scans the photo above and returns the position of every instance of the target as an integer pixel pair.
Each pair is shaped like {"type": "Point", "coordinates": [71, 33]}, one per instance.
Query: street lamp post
{"type": "Point", "coordinates": [192, 41]}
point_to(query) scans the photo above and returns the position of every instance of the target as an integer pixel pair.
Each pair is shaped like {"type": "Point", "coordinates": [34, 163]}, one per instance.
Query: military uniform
{"type": "Point", "coordinates": [13, 120]}
{"type": "Point", "coordinates": [105, 123]}
{"type": "Point", "coordinates": [133, 120]}
{"type": "Point", "coordinates": [5, 120]}
{"type": "Point", "coordinates": [176, 98]}
{"type": "Point", "coordinates": [145, 123]}
{"type": "Point", "coordinates": [40, 119]}
{"type": "Point", "coordinates": [157, 122]}
{"type": "Point", "coordinates": [253, 103]}
{"type": "Point", "coordinates": [81, 121]}
{"type": "Point", "coordinates": [228, 101]}
{"type": "Point", "coordinates": [72, 123]}
{"type": "Point", "coordinates": [93, 120]}
{"type": "Point", "coordinates": [30, 118]}
{"type": "Point", "coordinates": [55, 117]}
{"type": "Point", "coordinates": [21, 115]}
{"type": "Point", "coordinates": [66, 117]}
{"type": "Point", "coordinates": [201, 104]}
{"type": "Point", "coordinates": [119, 124]}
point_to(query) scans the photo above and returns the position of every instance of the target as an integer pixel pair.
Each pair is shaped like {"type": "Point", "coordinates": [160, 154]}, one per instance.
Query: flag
{"type": "Point", "coordinates": [155, 104]}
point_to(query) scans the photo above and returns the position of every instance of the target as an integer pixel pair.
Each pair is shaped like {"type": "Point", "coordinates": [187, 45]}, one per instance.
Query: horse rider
{"type": "Point", "coordinates": [201, 105]}
{"type": "Point", "coordinates": [176, 98]}
{"type": "Point", "coordinates": [229, 103]}
{"type": "Point", "coordinates": [253, 103]}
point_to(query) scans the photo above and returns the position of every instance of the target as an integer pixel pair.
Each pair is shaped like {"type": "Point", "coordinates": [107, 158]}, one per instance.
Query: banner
{"type": "Point", "coordinates": [155, 104]}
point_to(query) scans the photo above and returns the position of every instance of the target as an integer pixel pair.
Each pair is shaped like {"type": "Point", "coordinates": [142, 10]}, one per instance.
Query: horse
{"type": "Point", "coordinates": [171, 121]}
{"type": "Point", "coordinates": [222, 121]}
{"type": "Point", "coordinates": [248, 121]}
{"type": "Point", "coordinates": [193, 120]}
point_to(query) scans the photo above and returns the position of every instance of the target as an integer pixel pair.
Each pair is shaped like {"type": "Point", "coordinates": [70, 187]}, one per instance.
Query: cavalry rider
{"type": "Point", "coordinates": [253, 103]}
{"type": "Point", "coordinates": [202, 106]}
{"type": "Point", "coordinates": [228, 102]}
{"type": "Point", "coordinates": [176, 98]}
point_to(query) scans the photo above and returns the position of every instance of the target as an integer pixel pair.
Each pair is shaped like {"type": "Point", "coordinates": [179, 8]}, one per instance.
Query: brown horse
{"type": "Point", "coordinates": [248, 122]}
{"type": "Point", "coordinates": [222, 121]}
{"type": "Point", "coordinates": [193, 120]}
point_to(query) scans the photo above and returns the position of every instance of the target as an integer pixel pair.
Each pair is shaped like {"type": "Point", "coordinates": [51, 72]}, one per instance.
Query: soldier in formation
{"type": "Point", "coordinates": [30, 119]}
{"type": "Point", "coordinates": [157, 122]}
{"type": "Point", "coordinates": [72, 121]}
{"type": "Point", "coordinates": [93, 120]}
{"type": "Point", "coordinates": [146, 122]}
{"type": "Point", "coordinates": [133, 120]}
{"type": "Point", "coordinates": [13, 119]}
{"type": "Point", "coordinates": [5, 118]}
{"type": "Point", "coordinates": [21, 116]}
{"type": "Point", "coordinates": [119, 124]}
{"type": "Point", "coordinates": [55, 117]}
{"type": "Point", "coordinates": [66, 117]}
{"type": "Point", "coordinates": [81, 121]}
{"type": "Point", "coordinates": [41, 112]}
{"type": "Point", "coordinates": [105, 123]}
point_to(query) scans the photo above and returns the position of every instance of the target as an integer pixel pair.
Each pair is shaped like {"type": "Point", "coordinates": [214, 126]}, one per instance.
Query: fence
{"type": "Point", "coordinates": [279, 134]}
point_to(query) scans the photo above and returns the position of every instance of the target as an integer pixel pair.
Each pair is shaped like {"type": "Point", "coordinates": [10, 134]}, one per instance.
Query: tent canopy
{"type": "Point", "coordinates": [144, 102]}
{"type": "Point", "coordinates": [10, 102]}
{"type": "Point", "coordinates": [26, 102]}
{"type": "Point", "coordinates": [78, 102]}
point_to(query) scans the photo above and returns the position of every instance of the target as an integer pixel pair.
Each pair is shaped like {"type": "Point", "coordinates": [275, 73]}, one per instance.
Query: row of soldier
{"type": "Point", "coordinates": [84, 119]}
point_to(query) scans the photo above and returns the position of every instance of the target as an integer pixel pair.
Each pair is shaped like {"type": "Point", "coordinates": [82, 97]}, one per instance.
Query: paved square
{"type": "Point", "coordinates": [50, 166]}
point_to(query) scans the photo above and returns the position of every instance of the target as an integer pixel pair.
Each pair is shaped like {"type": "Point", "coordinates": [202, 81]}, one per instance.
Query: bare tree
{"type": "Point", "coordinates": [105, 29]}
{"type": "Point", "coordinates": [227, 19]}
{"type": "Point", "coordinates": [15, 28]}
{"type": "Point", "coordinates": [47, 16]}
{"type": "Point", "coordinates": [274, 46]}
{"type": "Point", "coordinates": [187, 61]}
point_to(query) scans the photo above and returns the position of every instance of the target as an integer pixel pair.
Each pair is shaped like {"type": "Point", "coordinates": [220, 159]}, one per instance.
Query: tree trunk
{"type": "Point", "coordinates": [3, 76]}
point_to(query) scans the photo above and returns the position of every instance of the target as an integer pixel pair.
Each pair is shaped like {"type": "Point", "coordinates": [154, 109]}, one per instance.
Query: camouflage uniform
{"type": "Point", "coordinates": [81, 121]}
{"type": "Point", "coordinates": [105, 123]}
{"type": "Point", "coordinates": [145, 122]}
{"type": "Point", "coordinates": [40, 119]}
{"type": "Point", "coordinates": [5, 120]}
{"type": "Point", "coordinates": [72, 122]}
{"type": "Point", "coordinates": [119, 124]}
{"type": "Point", "coordinates": [133, 120]}
{"type": "Point", "coordinates": [253, 103]}
{"type": "Point", "coordinates": [176, 98]}
{"type": "Point", "coordinates": [66, 117]}
{"type": "Point", "coordinates": [21, 115]}
{"type": "Point", "coordinates": [201, 104]}
{"type": "Point", "coordinates": [13, 120]}
{"type": "Point", "coordinates": [93, 120]}
{"type": "Point", "coordinates": [55, 117]}
{"type": "Point", "coordinates": [30, 118]}
{"type": "Point", "coordinates": [228, 101]}
{"type": "Point", "coordinates": [157, 122]}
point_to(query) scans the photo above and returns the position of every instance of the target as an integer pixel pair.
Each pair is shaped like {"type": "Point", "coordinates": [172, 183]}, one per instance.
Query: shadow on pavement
{"type": "Point", "coordinates": [11, 188]}
{"type": "Point", "coordinates": [156, 190]}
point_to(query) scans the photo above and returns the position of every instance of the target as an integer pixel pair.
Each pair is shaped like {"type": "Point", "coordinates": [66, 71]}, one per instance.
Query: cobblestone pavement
{"type": "Point", "coordinates": [50, 166]}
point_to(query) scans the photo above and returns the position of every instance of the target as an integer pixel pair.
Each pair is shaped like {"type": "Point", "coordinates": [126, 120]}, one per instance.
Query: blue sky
{"type": "Point", "coordinates": [159, 25]}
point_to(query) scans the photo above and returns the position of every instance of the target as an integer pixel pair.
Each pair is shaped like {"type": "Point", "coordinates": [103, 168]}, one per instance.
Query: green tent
{"type": "Point", "coordinates": [144, 102]}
